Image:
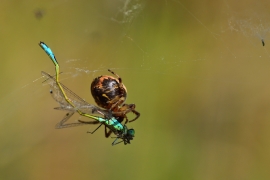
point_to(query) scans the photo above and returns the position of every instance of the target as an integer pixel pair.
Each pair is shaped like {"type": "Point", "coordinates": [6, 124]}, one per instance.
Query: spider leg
{"type": "Point", "coordinates": [131, 108]}
{"type": "Point", "coordinates": [122, 118]}
{"type": "Point", "coordinates": [122, 89]}
{"type": "Point", "coordinates": [124, 115]}
{"type": "Point", "coordinates": [116, 102]}
{"type": "Point", "coordinates": [137, 115]}
{"type": "Point", "coordinates": [119, 78]}
{"type": "Point", "coordinates": [126, 108]}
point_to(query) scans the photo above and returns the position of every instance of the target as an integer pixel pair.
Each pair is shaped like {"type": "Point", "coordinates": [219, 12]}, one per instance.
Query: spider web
{"type": "Point", "coordinates": [202, 67]}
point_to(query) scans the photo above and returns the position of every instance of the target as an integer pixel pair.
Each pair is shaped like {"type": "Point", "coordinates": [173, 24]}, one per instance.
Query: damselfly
{"type": "Point", "coordinates": [72, 103]}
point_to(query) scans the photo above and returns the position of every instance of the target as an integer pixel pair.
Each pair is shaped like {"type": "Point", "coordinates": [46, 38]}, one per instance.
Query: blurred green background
{"type": "Point", "coordinates": [197, 72]}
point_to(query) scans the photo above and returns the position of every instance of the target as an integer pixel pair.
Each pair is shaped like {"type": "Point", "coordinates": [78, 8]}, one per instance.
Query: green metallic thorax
{"type": "Point", "coordinates": [112, 124]}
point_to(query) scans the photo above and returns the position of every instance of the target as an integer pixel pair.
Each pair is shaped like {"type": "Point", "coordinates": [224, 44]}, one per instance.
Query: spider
{"type": "Point", "coordinates": [110, 93]}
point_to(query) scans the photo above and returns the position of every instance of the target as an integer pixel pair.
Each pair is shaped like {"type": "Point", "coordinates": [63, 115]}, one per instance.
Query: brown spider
{"type": "Point", "coordinates": [110, 93]}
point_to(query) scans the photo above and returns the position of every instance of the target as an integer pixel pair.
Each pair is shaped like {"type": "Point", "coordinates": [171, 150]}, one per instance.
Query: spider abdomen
{"type": "Point", "coordinates": [108, 92]}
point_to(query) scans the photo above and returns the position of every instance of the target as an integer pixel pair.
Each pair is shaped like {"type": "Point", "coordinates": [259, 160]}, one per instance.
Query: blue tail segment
{"type": "Point", "coordinates": [48, 51]}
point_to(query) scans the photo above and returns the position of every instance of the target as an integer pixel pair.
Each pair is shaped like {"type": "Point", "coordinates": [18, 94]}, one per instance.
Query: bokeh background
{"type": "Point", "coordinates": [196, 70]}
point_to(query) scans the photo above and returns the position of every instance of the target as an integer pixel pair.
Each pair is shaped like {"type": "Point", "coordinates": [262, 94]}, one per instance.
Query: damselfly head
{"type": "Point", "coordinates": [128, 136]}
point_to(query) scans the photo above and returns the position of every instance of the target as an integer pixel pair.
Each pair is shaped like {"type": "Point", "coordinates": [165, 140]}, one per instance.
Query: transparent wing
{"type": "Point", "coordinates": [80, 104]}
{"type": "Point", "coordinates": [62, 124]}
